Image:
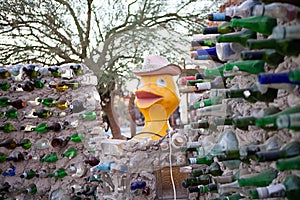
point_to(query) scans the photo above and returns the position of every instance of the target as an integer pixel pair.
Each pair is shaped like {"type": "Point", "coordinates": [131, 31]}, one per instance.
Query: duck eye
{"type": "Point", "coordinates": [161, 82]}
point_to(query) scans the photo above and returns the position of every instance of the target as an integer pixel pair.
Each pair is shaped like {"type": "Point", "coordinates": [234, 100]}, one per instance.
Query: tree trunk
{"type": "Point", "coordinates": [114, 126]}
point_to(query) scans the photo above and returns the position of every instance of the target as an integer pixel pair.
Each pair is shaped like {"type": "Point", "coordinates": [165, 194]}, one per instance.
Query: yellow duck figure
{"type": "Point", "coordinates": [157, 97]}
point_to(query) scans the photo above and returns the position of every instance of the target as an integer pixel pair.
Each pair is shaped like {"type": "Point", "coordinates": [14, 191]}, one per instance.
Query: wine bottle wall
{"type": "Point", "coordinates": [243, 112]}
{"type": "Point", "coordinates": [49, 117]}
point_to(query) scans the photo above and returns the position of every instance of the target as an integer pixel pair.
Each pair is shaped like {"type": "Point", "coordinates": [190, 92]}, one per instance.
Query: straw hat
{"type": "Point", "coordinates": [156, 65]}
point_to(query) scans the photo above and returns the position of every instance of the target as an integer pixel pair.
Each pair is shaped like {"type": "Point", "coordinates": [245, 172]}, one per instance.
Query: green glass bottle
{"type": "Point", "coordinates": [4, 85]}
{"type": "Point", "coordinates": [290, 188]}
{"type": "Point", "coordinates": [4, 73]}
{"type": "Point", "coordinates": [201, 180]}
{"type": "Point", "coordinates": [193, 82]}
{"type": "Point", "coordinates": [7, 127]}
{"type": "Point", "coordinates": [42, 128]}
{"type": "Point", "coordinates": [77, 68]}
{"type": "Point", "coordinates": [28, 174]}
{"type": "Point", "coordinates": [239, 37]}
{"type": "Point", "coordinates": [70, 153]}
{"type": "Point", "coordinates": [38, 83]}
{"type": "Point", "coordinates": [209, 188]}
{"type": "Point", "coordinates": [31, 71]}
{"type": "Point", "coordinates": [55, 71]}
{"type": "Point", "coordinates": [10, 113]}
{"type": "Point", "coordinates": [60, 173]}
{"type": "Point", "coordinates": [201, 43]}
{"type": "Point", "coordinates": [289, 121]}
{"type": "Point", "coordinates": [208, 159]}
{"type": "Point", "coordinates": [259, 179]}
{"type": "Point", "coordinates": [221, 29]}
{"type": "Point", "coordinates": [270, 56]}
{"type": "Point", "coordinates": [294, 75]}
{"type": "Point", "coordinates": [31, 189]}
{"type": "Point", "coordinates": [260, 24]}
{"type": "Point", "coordinates": [269, 121]}
{"type": "Point", "coordinates": [49, 102]}
{"type": "Point", "coordinates": [89, 115]}
{"type": "Point", "coordinates": [25, 144]}
{"type": "Point", "coordinates": [3, 157]}
{"type": "Point", "coordinates": [237, 68]}
{"type": "Point", "coordinates": [4, 101]}
{"type": "Point", "coordinates": [214, 169]}
{"type": "Point", "coordinates": [51, 158]}
{"type": "Point", "coordinates": [9, 143]}
{"type": "Point", "coordinates": [71, 84]}
{"type": "Point", "coordinates": [292, 163]}
{"type": "Point", "coordinates": [43, 113]}
{"type": "Point", "coordinates": [208, 102]}
{"type": "Point", "coordinates": [286, 47]}
{"type": "Point", "coordinates": [289, 150]}
{"type": "Point", "coordinates": [76, 138]}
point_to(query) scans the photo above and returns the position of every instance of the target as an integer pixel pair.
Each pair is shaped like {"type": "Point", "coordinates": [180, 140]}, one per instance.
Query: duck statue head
{"type": "Point", "coordinates": [157, 97]}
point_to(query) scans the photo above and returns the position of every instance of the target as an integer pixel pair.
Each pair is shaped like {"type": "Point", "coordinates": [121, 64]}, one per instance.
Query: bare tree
{"type": "Point", "coordinates": [108, 36]}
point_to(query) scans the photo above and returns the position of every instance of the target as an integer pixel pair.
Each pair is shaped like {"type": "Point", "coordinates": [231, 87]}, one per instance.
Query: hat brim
{"type": "Point", "coordinates": [170, 69]}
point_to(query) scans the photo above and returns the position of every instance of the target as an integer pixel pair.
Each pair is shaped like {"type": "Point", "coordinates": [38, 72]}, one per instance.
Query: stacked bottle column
{"type": "Point", "coordinates": [49, 116]}
{"type": "Point", "coordinates": [246, 120]}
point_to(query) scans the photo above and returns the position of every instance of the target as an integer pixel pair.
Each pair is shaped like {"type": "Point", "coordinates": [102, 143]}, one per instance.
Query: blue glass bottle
{"type": "Point", "coordinates": [269, 78]}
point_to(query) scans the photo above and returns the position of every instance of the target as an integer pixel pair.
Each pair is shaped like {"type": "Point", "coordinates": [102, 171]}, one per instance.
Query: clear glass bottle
{"type": "Point", "coordinates": [289, 121]}
{"type": "Point", "coordinates": [243, 10]}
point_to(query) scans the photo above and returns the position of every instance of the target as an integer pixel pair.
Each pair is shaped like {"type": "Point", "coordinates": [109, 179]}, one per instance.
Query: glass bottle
{"type": "Point", "coordinates": [75, 138]}
{"type": "Point", "coordinates": [5, 187]}
{"type": "Point", "coordinates": [25, 144]}
{"type": "Point", "coordinates": [4, 85]}
{"type": "Point", "coordinates": [281, 11]}
{"type": "Point", "coordinates": [18, 104]}
{"type": "Point", "coordinates": [60, 87]}
{"type": "Point", "coordinates": [289, 121]}
{"type": "Point", "coordinates": [208, 43]}
{"type": "Point", "coordinates": [76, 170]}
{"type": "Point", "coordinates": [283, 77]}
{"type": "Point", "coordinates": [105, 166]}
{"type": "Point", "coordinates": [62, 105]}
{"type": "Point", "coordinates": [15, 156]}
{"type": "Point", "coordinates": [211, 37]}
{"type": "Point", "coordinates": [92, 160]}
{"type": "Point", "coordinates": [239, 37]}
{"type": "Point", "coordinates": [229, 51]}
{"type": "Point", "coordinates": [269, 121]}
{"type": "Point", "coordinates": [207, 102]}
{"type": "Point", "coordinates": [7, 127]}
{"type": "Point", "coordinates": [10, 113]}
{"type": "Point", "coordinates": [286, 47]}
{"type": "Point", "coordinates": [290, 188]}
{"type": "Point", "coordinates": [138, 184]}
{"type": "Point", "coordinates": [218, 17]}
{"type": "Point", "coordinates": [4, 101]}
{"type": "Point", "coordinates": [231, 178]}
{"type": "Point", "coordinates": [28, 174]}
{"type": "Point", "coordinates": [60, 173]}
{"type": "Point", "coordinates": [60, 141]}
{"type": "Point", "coordinates": [27, 86]}
{"type": "Point", "coordinates": [194, 82]}
{"type": "Point", "coordinates": [270, 56]}
{"type": "Point", "coordinates": [203, 160]}
{"type": "Point", "coordinates": [221, 29]}
{"type": "Point", "coordinates": [42, 144]}
{"type": "Point", "coordinates": [50, 158]}
{"type": "Point", "coordinates": [4, 73]}
{"type": "Point", "coordinates": [88, 115]}
{"type": "Point", "coordinates": [49, 102]}
{"type": "Point", "coordinates": [286, 32]}
{"type": "Point", "coordinates": [260, 24]}
{"type": "Point", "coordinates": [214, 169]}
{"type": "Point", "coordinates": [259, 179]}
{"type": "Point", "coordinates": [292, 163]}
{"type": "Point", "coordinates": [31, 189]}
{"type": "Point", "coordinates": [31, 70]}
{"type": "Point", "coordinates": [220, 110]}
{"type": "Point", "coordinates": [200, 180]}
{"type": "Point", "coordinates": [16, 72]}
{"type": "Point", "coordinates": [77, 69]}
{"type": "Point", "coordinates": [237, 68]}
{"type": "Point", "coordinates": [70, 153]}
{"type": "Point", "coordinates": [218, 82]}
{"type": "Point", "coordinates": [55, 71]}
{"type": "Point", "coordinates": [38, 83]}
{"type": "Point", "coordinates": [294, 75]}
{"type": "Point", "coordinates": [11, 171]}
{"type": "Point", "coordinates": [243, 10]}
{"type": "Point", "coordinates": [289, 150]}
{"type": "Point", "coordinates": [252, 94]}
{"type": "Point", "coordinates": [9, 143]}
{"type": "Point", "coordinates": [43, 113]}
{"type": "Point", "coordinates": [211, 188]}
{"type": "Point", "coordinates": [3, 157]}
{"type": "Point", "coordinates": [235, 196]}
